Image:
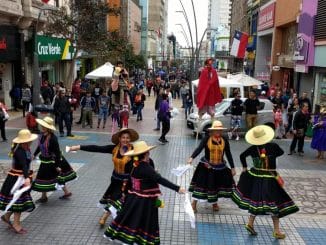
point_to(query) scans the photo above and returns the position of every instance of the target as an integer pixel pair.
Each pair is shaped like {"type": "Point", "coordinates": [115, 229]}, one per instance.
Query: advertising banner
{"type": "Point", "coordinates": [53, 49]}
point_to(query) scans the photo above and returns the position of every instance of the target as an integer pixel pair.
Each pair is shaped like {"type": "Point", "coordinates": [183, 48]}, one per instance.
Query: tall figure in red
{"type": "Point", "coordinates": [209, 92]}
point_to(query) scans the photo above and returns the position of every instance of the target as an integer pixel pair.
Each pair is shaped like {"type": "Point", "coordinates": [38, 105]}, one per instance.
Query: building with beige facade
{"type": "Point", "coordinates": [18, 20]}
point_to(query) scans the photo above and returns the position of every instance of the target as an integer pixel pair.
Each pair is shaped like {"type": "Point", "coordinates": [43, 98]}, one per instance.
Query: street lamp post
{"type": "Point", "coordinates": [36, 76]}
{"type": "Point", "coordinates": [199, 47]}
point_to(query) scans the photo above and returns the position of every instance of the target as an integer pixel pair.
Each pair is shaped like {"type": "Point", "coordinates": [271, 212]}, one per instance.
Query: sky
{"type": "Point", "coordinates": [201, 10]}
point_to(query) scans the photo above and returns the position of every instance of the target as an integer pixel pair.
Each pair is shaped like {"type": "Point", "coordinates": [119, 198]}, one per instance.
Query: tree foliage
{"type": "Point", "coordinates": [83, 22]}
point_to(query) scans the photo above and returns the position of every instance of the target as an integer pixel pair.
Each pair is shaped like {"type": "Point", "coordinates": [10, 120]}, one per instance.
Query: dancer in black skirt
{"type": "Point", "coordinates": [122, 166]}
{"type": "Point", "coordinates": [54, 171]}
{"type": "Point", "coordinates": [20, 172]}
{"type": "Point", "coordinates": [260, 189]}
{"type": "Point", "coordinates": [212, 178]}
{"type": "Point", "coordinates": [137, 223]}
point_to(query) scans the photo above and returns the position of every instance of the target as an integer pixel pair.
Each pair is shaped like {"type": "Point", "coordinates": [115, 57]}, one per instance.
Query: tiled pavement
{"type": "Point", "coordinates": [74, 221]}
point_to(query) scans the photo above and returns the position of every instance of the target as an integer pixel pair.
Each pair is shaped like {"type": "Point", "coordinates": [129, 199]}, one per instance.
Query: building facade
{"type": "Point", "coordinates": [19, 40]}
{"type": "Point", "coordinates": [218, 31]}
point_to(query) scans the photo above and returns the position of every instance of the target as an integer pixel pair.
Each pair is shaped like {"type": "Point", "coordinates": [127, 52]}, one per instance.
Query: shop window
{"type": "Point", "coordinates": [322, 88]}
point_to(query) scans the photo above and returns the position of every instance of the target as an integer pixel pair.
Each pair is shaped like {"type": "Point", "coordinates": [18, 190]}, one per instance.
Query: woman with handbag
{"type": "Point", "coordinates": [18, 177]}
{"type": "Point", "coordinates": [260, 189]}
{"type": "Point", "coordinates": [4, 116]}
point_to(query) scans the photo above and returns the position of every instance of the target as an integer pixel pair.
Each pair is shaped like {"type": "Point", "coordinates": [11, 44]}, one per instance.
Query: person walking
{"type": "Point", "coordinates": [164, 116]}
{"type": "Point", "coordinates": [138, 221]}
{"type": "Point", "coordinates": [139, 103]}
{"type": "Point", "coordinates": [62, 108]}
{"type": "Point", "coordinates": [26, 98]}
{"type": "Point", "coordinates": [236, 115]}
{"type": "Point", "coordinates": [300, 124]}
{"type": "Point", "coordinates": [87, 104]}
{"type": "Point", "coordinates": [318, 141]}
{"type": "Point", "coordinates": [158, 101]}
{"type": "Point", "coordinates": [260, 189]}
{"type": "Point", "coordinates": [188, 104]}
{"type": "Point", "coordinates": [292, 109]}
{"type": "Point", "coordinates": [3, 119]}
{"type": "Point", "coordinates": [19, 173]}
{"type": "Point", "coordinates": [119, 185]}
{"type": "Point", "coordinates": [212, 178]}
{"type": "Point", "coordinates": [54, 171]}
{"type": "Point", "coordinates": [251, 106]}
{"type": "Point", "coordinates": [103, 104]}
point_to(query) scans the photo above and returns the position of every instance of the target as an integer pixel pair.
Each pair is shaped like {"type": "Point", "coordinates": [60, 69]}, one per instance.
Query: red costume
{"type": "Point", "coordinates": [208, 93]}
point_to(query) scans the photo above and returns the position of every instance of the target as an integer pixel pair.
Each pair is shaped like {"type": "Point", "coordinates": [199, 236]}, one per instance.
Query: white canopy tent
{"type": "Point", "coordinates": [104, 71]}
{"type": "Point", "coordinates": [245, 80]}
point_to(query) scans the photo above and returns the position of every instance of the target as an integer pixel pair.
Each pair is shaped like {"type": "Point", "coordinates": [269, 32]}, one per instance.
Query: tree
{"type": "Point", "coordinates": [83, 22]}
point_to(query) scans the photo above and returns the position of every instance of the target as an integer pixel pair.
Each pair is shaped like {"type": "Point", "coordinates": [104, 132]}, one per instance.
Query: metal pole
{"type": "Point", "coordinates": [194, 12]}
{"type": "Point", "coordinates": [36, 77]}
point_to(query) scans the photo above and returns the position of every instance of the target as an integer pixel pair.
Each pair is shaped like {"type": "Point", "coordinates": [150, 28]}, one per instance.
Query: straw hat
{"type": "Point", "coordinates": [133, 135]}
{"type": "Point", "coordinates": [217, 125]}
{"type": "Point", "coordinates": [139, 148]}
{"type": "Point", "coordinates": [323, 110]}
{"type": "Point", "coordinates": [260, 135]}
{"type": "Point", "coordinates": [46, 122]}
{"type": "Point", "coordinates": [24, 136]}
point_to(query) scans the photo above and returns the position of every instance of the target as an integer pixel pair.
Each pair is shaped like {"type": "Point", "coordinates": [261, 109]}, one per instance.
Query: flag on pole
{"type": "Point", "coordinates": [239, 44]}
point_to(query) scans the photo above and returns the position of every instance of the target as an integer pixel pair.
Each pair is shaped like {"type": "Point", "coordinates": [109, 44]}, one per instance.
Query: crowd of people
{"type": "Point", "coordinates": [132, 198]}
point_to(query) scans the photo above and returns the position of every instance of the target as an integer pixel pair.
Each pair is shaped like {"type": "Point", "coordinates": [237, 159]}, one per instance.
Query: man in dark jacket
{"type": "Point", "coordinates": [62, 108]}
{"type": "Point", "coordinates": [300, 124]}
{"type": "Point", "coordinates": [157, 107]}
{"type": "Point", "coordinates": [164, 116]}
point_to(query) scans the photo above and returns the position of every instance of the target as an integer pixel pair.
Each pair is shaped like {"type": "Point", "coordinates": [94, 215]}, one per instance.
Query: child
{"type": "Point", "coordinates": [31, 121]}
{"type": "Point", "coordinates": [279, 127]}
{"type": "Point", "coordinates": [124, 116]}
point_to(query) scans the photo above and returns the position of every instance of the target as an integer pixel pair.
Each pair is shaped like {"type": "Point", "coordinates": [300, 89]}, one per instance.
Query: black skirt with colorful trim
{"type": "Point", "coordinates": [67, 173]}
{"type": "Point", "coordinates": [210, 182]}
{"type": "Point", "coordinates": [47, 175]}
{"type": "Point", "coordinates": [113, 195]}
{"type": "Point", "coordinates": [259, 192]}
{"type": "Point", "coordinates": [24, 202]}
{"type": "Point", "coordinates": [137, 222]}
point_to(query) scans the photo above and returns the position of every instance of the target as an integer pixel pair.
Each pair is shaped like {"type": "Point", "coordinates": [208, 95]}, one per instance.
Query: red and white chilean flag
{"type": "Point", "coordinates": [239, 44]}
{"type": "Point", "coordinates": [45, 1]}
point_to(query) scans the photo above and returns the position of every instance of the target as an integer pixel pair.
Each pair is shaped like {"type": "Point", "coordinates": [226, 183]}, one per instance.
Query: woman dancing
{"type": "Point", "coordinates": [138, 220]}
{"type": "Point", "coordinates": [122, 167]}
{"type": "Point", "coordinates": [212, 178]}
{"type": "Point", "coordinates": [18, 177]}
{"type": "Point", "coordinates": [54, 171]}
{"type": "Point", "coordinates": [260, 189]}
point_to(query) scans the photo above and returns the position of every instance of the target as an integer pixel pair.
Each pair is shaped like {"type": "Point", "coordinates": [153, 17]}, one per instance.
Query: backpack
{"type": "Point", "coordinates": [115, 85]}
{"type": "Point", "coordinates": [138, 98]}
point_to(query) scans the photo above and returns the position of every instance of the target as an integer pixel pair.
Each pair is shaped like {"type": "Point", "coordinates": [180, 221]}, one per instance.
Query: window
{"type": "Point", "coordinates": [320, 30]}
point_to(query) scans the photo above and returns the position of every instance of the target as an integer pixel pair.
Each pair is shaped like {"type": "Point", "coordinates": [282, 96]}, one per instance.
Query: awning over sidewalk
{"type": "Point", "coordinates": [104, 71]}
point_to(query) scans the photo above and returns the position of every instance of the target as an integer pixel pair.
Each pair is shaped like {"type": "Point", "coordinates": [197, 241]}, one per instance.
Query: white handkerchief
{"type": "Point", "coordinates": [180, 170]}
{"type": "Point", "coordinates": [68, 150]}
{"type": "Point", "coordinates": [189, 211]}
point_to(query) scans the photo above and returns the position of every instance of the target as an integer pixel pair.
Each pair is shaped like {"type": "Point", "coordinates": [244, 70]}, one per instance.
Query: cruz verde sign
{"type": "Point", "coordinates": [53, 49]}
